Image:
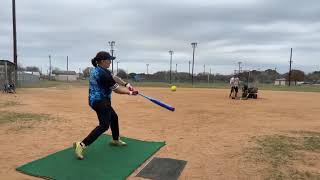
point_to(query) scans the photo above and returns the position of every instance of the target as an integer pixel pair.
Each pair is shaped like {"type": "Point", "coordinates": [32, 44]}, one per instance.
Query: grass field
{"type": "Point", "coordinates": [59, 84]}
{"type": "Point", "coordinates": [280, 154]}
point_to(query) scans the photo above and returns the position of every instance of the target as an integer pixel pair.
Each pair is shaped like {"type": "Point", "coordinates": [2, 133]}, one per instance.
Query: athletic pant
{"type": "Point", "coordinates": [234, 88]}
{"type": "Point", "coordinates": [107, 117]}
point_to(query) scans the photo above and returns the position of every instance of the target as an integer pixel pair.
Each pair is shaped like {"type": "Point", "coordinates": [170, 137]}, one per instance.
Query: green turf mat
{"type": "Point", "coordinates": [102, 161]}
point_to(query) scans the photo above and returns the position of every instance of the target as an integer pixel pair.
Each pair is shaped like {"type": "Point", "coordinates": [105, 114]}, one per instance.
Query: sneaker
{"type": "Point", "coordinates": [118, 143]}
{"type": "Point", "coordinates": [78, 150]}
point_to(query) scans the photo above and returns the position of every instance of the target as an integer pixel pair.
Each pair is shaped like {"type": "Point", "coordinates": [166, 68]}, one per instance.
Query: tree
{"type": "Point", "coordinates": [122, 74]}
{"type": "Point", "coordinates": [296, 75]}
{"type": "Point", "coordinates": [32, 69]}
{"type": "Point", "coordinates": [132, 75]}
{"type": "Point", "coordinates": [56, 69]}
{"type": "Point", "coordinates": [314, 76]}
{"type": "Point", "coordinates": [86, 72]}
{"type": "Point", "coordinates": [21, 68]}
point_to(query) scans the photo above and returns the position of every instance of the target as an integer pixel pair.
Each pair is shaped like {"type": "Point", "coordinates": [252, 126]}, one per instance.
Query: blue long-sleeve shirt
{"type": "Point", "coordinates": [101, 85]}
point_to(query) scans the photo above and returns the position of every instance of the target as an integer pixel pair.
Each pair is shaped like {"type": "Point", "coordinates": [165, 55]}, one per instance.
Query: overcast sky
{"type": "Point", "coordinates": [258, 33]}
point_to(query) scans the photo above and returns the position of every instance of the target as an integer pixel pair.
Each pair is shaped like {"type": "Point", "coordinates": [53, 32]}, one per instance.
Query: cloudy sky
{"type": "Point", "coordinates": [259, 33]}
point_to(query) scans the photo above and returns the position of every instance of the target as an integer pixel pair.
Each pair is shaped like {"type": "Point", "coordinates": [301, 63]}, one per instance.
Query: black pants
{"type": "Point", "coordinates": [107, 117]}
{"type": "Point", "coordinates": [234, 88]}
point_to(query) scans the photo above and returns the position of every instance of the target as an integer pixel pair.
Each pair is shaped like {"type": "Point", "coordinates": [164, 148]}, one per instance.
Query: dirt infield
{"type": "Point", "coordinates": [209, 130]}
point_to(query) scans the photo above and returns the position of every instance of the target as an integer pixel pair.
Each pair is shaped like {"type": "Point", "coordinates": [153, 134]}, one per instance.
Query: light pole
{"type": "Point", "coordinates": [50, 70]}
{"type": "Point", "coordinates": [118, 67]}
{"type": "Point", "coordinates": [189, 67]}
{"type": "Point", "coordinates": [112, 44]}
{"type": "Point", "coordinates": [176, 68]}
{"type": "Point", "coordinates": [239, 67]}
{"type": "Point", "coordinates": [209, 76]}
{"type": "Point", "coordinates": [67, 67]}
{"type": "Point", "coordinates": [147, 69]}
{"type": "Point", "coordinates": [67, 63]}
{"type": "Point", "coordinates": [194, 45]}
{"type": "Point", "coordinates": [171, 53]}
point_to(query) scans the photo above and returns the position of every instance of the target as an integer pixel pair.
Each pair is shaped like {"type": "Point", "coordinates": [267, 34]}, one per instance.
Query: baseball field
{"type": "Point", "coordinates": [276, 136]}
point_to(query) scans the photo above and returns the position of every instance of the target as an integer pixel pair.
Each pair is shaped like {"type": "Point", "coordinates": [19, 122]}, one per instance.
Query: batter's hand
{"type": "Point", "coordinates": [134, 92]}
{"type": "Point", "coordinates": [130, 88]}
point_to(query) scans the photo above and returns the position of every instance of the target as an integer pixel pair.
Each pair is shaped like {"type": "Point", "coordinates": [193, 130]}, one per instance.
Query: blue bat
{"type": "Point", "coordinates": [158, 102]}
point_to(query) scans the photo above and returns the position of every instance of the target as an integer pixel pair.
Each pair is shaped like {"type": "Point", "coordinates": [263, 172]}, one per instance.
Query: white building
{"type": "Point", "coordinates": [283, 82]}
{"type": "Point", "coordinates": [65, 75]}
{"type": "Point", "coordinates": [280, 82]}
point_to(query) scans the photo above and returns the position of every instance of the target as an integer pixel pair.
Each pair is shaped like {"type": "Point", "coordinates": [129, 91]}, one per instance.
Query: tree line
{"type": "Point", "coordinates": [267, 76]}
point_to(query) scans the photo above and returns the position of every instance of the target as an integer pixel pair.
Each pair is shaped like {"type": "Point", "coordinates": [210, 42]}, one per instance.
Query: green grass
{"type": "Point", "coordinates": [8, 116]}
{"type": "Point", "coordinates": [302, 88]}
{"type": "Point", "coordinates": [278, 152]}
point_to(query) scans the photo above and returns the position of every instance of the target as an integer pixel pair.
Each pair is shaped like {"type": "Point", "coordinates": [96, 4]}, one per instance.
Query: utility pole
{"type": "Point", "coordinates": [204, 69]}
{"type": "Point", "coordinates": [290, 68]}
{"type": "Point", "coordinates": [49, 67]}
{"type": "Point", "coordinates": [171, 53]}
{"type": "Point", "coordinates": [176, 68]}
{"type": "Point", "coordinates": [194, 45]}
{"type": "Point", "coordinates": [112, 44]}
{"type": "Point", "coordinates": [15, 55]}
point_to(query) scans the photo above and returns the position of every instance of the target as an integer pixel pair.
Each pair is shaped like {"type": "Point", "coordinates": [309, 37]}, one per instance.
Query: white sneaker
{"type": "Point", "coordinates": [118, 143]}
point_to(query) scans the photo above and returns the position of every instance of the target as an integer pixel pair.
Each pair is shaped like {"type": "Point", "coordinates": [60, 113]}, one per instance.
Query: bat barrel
{"type": "Point", "coordinates": [158, 102]}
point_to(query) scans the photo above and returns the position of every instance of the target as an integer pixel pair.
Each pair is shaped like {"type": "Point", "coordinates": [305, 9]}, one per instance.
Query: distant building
{"type": "Point", "coordinates": [65, 75]}
{"type": "Point", "coordinates": [283, 82]}
{"type": "Point", "coordinates": [26, 78]}
{"type": "Point", "coordinates": [280, 82]}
